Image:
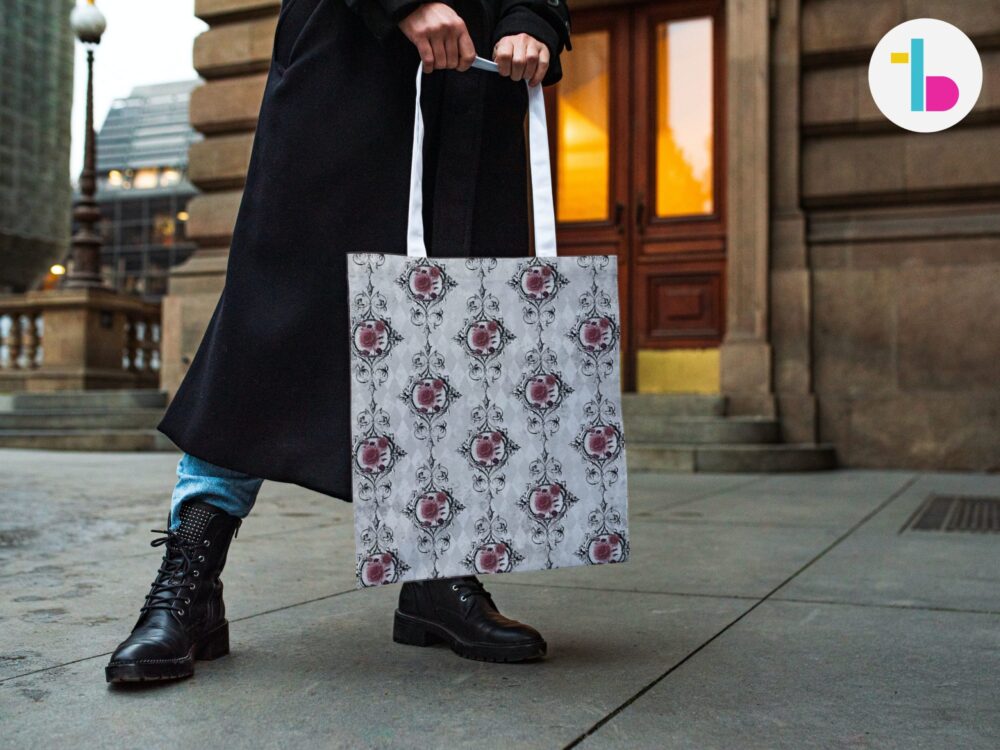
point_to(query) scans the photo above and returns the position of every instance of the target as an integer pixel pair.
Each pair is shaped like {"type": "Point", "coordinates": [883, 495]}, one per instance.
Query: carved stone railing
{"type": "Point", "coordinates": [21, 327]}
{"type": "Point", "coordinates": [78, 339]}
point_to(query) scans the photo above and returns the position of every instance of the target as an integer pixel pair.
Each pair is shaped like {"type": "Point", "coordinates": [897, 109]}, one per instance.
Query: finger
{"type": "Point", "coordinates": [543, 66]}
{"type": "Point", "coordinates": [451, 51]}
{"type": "Point", "coordinates": [517, 61]}
{"type": "Point", "coordinates": [466, 51]}
{"type": "Point", "coordinates": [531, 60]}
{"type": "Point", "coordinates": [502, 55]}
{"type": "Point", "coordinates": [426, 54]}
{"type": "Point", "coordinates": [440, 56]}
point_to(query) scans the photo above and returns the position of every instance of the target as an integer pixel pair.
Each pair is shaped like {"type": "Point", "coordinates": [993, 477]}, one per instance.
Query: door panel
{"type": "Point", "coordinates": [638, 155]}
{"type": "Point", "coordinates": [589, 140]}
{"type": "Point", "coordinates": [678, 256]}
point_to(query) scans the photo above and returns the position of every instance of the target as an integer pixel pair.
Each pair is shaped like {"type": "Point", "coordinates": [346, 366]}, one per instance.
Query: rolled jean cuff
{"type": "Point", "coordinates": [230, 491]}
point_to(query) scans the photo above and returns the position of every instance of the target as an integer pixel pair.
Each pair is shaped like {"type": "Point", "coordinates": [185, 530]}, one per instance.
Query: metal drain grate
{"type": "Point", "coordinates": [956, 513]}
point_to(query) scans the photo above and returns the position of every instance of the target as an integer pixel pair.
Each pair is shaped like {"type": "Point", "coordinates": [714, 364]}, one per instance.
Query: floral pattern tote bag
{"type": "Point", "coordinates": [485, 401]}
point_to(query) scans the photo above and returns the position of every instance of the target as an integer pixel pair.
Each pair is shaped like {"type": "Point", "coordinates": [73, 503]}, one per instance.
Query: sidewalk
{"type": "Point", "coordinates": [783, 611]}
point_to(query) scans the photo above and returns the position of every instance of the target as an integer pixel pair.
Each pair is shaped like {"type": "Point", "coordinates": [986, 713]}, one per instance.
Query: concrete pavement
{"type": "Point", "coordinates": [783, 611]}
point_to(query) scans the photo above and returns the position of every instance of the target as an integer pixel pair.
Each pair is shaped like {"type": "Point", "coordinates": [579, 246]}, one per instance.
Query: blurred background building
{"type": "Point", "coordinates": [143, 189]}
{"type": "Point", "coordinates": [36, 47]}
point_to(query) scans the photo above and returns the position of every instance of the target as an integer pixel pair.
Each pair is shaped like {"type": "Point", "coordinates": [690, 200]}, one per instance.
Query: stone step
{"type": "Point", "coordinates": [141, 398]}
{"type": "Point", "coordinates": [80, 419]}
{"type": "Point", "coordinates": [86, 440]}
{"type": "Point", "coordinates": [728, 459]}
{"type": "Point", "coordinates": [656, 428]}
{"type": "Point", "coordinates": [673, 404]}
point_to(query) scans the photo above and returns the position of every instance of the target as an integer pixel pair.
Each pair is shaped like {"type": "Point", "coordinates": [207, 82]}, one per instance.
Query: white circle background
{"type": "Point", "coordinates": [947, 52]}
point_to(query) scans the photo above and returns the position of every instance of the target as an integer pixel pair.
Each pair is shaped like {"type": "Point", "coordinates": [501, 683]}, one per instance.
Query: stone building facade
{"type": "Point", "coordinates": [36, 46]}
{"type": "Point", "coordinates": [781, 241]}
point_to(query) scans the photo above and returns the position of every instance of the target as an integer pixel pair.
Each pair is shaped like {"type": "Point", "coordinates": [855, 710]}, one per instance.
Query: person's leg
{"type": "Point", "coordinates": [232, 492]}
{"type": "Point", "coordinates": [184, 616]}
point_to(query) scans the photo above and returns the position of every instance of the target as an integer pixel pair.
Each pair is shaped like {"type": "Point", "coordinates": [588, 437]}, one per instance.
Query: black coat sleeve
{"type": "Point", "coordinates": [381, 16]}
{"type": "Point", "coordinates": [545, 20]}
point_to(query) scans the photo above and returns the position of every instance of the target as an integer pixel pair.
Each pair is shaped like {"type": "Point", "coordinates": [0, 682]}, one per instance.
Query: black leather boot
{"type": "Point", "coordinates": [184, 617]}
{"type": "Point", "coordinates": [460, 613]}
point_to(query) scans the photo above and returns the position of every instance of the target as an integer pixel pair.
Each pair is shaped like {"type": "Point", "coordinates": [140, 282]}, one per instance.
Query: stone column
{"type": "Point", "coordinates": [791, 278]}
{"type": "Point", "coordinates": [745, 356]}
{"type": "Point", "coordinates": [233, 58]}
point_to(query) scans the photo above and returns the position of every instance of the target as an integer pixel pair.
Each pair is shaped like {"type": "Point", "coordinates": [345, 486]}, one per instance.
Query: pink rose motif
{"type": "Point", "coordinates": [429, 395]}
{"type": "Point", "coordinates": [601, 442]}
{"type": "Point", "coordinates": [426, 282]}
{"type": "Point", "coordinates": [371, 337]}
{"type": "Point", "coordinates": [489, 448]}
{"type": "Point", "coordinates": [596, 334]}
{"type": "Point", "coordinates": [493, 558]}
{"type": "Point", "coordinates": [433, 509]}
{"type": "Point", "coordinates": [546, 501]}
{"type": "Point", "coordinates": [484, 337]}
{"type": "Point", "coordinates": [605, 548]}
{"type": "Point", "coordinates": [538, 282]}
{"type": "Point", "coordinates": [378, 569]}
{"type": "Point", "coordinates": [374, 455]}
{"type": "Point", "coordinates": [543, 391]}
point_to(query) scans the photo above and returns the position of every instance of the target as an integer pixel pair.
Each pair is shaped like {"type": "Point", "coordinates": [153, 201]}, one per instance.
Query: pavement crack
{"type": "Point", "coordinates": [884, 605]}
{"type": "Point", "coordinates": [146, 553]}
{"type": "Point", "coordinates": [716, 492]}
{"type": "Point", "coordinates": [235, 619]}
{"type": "Point", "coordinates": [896, 494]}
{"type": "Point", "coordinates": [641, 592]}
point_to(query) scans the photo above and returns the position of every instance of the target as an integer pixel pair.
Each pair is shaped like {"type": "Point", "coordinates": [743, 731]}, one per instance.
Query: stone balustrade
{"type": "Point", "coordinates": [77, 340]}
{"type": "Point", "coordinates": [21, 327]}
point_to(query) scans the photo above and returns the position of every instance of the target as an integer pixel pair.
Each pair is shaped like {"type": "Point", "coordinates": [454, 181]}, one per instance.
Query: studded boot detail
{"type": "Point", "coordinates": [184, 617]}
{"type": "Point", "coordinates": [461, 613]}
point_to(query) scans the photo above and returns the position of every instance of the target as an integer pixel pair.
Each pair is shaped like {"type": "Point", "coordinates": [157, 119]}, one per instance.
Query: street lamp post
{"type": "Point", "coordinates": [93, 337]}
{"type": "Point", "coordinates": [88, 24]}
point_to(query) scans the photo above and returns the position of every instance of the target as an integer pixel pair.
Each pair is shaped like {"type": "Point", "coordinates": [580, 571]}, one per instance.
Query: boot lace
{"type": "Point", "coordinates": [169, 590]}
{"type": "Point", "coordinates": [468, 587]}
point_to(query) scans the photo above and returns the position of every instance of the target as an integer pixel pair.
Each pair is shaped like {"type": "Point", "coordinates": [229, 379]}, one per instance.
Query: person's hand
{"type": "Point", "coordinates": [521, 56]}
{"type": "Point", "coordinates": [440, 36]}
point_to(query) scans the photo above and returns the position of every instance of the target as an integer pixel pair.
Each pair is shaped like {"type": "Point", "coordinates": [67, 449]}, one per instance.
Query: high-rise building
{"type": "Point", "coordinates": [143, 188]}
{"type": "Point", "coordinates": [36, 98]}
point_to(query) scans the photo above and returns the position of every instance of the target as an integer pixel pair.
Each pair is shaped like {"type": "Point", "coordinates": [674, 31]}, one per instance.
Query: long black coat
{"type": "Point", "coordinates": [268, 390]}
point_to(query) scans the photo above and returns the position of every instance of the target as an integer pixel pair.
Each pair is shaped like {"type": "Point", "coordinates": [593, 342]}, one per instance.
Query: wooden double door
{"type": "Point", "coordinates": [636, 128]}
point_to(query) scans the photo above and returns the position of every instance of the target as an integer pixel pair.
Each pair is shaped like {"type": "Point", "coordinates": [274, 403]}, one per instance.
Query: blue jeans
{"type": "Point", "coordinates": [231, 491]}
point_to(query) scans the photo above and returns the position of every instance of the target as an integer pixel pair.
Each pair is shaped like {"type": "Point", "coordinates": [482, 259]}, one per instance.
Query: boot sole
{"type": "Point", "coordinates": [416, 631]}
{"type": "Point", "coordinates": [214, 645]}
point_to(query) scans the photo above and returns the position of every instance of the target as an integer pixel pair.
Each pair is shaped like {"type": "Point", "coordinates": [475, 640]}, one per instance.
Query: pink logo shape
{"type": "Point", "coordinates": [942, 93]}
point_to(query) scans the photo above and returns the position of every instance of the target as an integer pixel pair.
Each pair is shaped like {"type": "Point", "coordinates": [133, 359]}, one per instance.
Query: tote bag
{"type": "Point", "coordinates": [485, 401]}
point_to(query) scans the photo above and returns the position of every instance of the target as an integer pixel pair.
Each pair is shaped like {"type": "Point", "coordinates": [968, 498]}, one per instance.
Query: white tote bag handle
{"type": "Point", "coordinates": [541, 174]}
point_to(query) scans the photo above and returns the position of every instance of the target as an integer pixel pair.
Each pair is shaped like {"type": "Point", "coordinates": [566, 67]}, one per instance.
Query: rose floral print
{"type": "Point", "coordinates": [486, 430]}
{"type": "Point", "coordinates": [375, 450]}
{"type": "Point", "coordinates": [489, 446]}
{"type": "Point", "coordinates": [545, 500]}
{"type": "Point", "coordinates": [600, 441]}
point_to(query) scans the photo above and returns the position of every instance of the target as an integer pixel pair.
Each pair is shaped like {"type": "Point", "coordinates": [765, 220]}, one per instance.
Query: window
{"type": "Point", "coordinates": [583, 114]}
{"type": "Point", "coordinates": [684, 127]}
{"type": "Point", "coordinates": [145, 179]}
